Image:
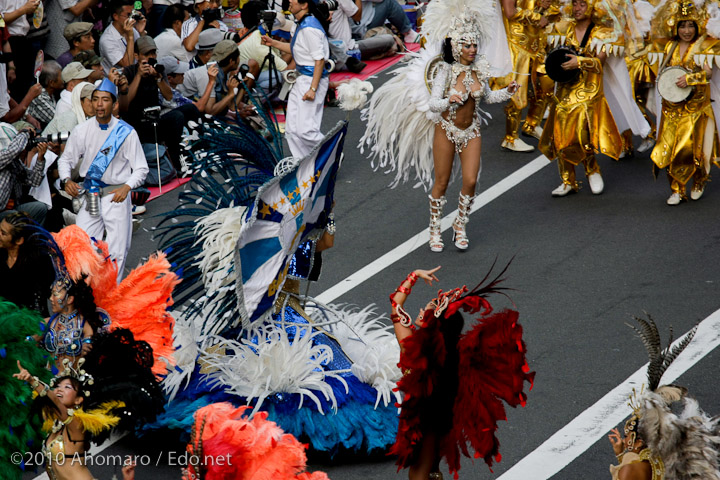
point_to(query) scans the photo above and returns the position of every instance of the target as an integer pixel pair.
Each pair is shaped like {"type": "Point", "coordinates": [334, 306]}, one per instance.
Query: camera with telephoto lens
{"type": "Point", "coordinates": [267, 17]}
{"type": "Point", "coordinates": [210, 15]}
{"type": "Point", "coordinates": [327, 6]}
{"type": "Point", "coordinates": [58, 137]}
{"type": "Point", "coordinates": [159, 68]}
{"type": "Point", "coordinates": [152, 114]}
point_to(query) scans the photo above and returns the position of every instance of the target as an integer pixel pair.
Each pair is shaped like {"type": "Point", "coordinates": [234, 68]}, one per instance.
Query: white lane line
{"type": "Point", "coordinates": [594, 423]}
{"type": "Point", "coordinates": [420, 240]}
{"type": "Point", "coordinates": [402, 250]}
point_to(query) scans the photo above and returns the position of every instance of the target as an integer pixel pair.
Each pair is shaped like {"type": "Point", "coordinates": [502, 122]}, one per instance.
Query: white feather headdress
{"type": "Point", "coordinates": [456, 18]}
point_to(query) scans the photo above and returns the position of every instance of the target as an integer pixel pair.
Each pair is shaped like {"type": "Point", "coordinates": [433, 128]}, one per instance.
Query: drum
{"type": "Point", "coordinates": [667, 87]}
{"type": "Point", "coordinates": [553, 61]}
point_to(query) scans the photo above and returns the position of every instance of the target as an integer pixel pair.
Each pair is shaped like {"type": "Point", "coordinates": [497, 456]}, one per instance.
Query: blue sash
{"type": "Point", "coordinates": [308, 21]}
{"type": "Point", "coordinates": [107, 152]}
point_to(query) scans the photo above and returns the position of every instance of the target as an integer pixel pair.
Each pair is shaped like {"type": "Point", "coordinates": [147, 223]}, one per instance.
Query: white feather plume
{"type": "Point", "coordinates": [644, 12]}
{"type": "Point", "coordinates": [353, 95]}
{"type": "Point", "coordinates": [713, 24]}
{"type": "Point", "coordinates": [218, 233]}
{"type": "Point", "coordinates": [185, 340]}
{"type": "Point", "coordinates": [272, 365]}
{"type": "Point", "coordinates": [369, 342]}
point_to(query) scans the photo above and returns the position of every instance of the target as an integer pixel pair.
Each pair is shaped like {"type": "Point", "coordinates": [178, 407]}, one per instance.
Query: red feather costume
{"type": "Point", "coordinates": [257, 449]}
{"type": "Point", "coordinates": [139, 303]}
{"type": "Point", "coordinates": [490, 360]}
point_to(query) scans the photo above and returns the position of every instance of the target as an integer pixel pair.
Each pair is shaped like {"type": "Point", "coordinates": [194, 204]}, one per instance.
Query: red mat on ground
{"type": "Point", "coordinates": [172, 185]}
{"type": "Point", "coordinates": [374, 66]}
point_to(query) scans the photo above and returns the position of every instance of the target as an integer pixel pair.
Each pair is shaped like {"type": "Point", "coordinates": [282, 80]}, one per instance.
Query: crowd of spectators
{"type": "Point", "coordinates": [171, 61]}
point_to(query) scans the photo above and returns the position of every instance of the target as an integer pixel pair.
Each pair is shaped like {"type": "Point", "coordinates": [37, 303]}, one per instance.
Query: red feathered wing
{"type": "Point", "coordinates": [493, 369]}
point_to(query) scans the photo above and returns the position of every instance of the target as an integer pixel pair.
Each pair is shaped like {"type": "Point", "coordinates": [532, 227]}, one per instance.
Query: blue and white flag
{"type": "Point", "coordinates": [286, 211]}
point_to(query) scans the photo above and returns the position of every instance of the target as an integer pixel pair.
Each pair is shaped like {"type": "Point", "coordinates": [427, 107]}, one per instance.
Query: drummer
{"type": "Point", "coordinates": [580, 123]}
{"type": "Point", "coordinates": [525, 21]}
{"type": "Point", "coordinates": [687, 140]}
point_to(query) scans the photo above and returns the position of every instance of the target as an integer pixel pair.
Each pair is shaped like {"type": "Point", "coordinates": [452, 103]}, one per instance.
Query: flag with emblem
{"type": "Point", "coordinates": [286, 211]}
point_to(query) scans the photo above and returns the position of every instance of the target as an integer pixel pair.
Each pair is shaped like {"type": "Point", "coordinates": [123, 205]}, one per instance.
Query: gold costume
{"type": "Point", "coordinates": [687, 141]}
{"type": "Point", "coordinates": [580, 122]}
{"type": "Point", "coordinates": [658, 468]}
{"type": "Point", "coordinates": [527, 41]}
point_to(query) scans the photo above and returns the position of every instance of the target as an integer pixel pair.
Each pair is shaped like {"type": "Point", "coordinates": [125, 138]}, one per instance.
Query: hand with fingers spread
{"type": "Point", "coordinates": [428, 275]}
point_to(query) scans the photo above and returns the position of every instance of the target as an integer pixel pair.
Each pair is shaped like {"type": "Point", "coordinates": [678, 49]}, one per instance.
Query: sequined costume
{"type": "Point", "coordinates": [687, 140]}
{"type": "Point", "coordinates": [474, 79]}
{"type": "Point", "coordinates": [527, 42]}
{"type": "Point", "coordinates": [645, 455]}
{"type": "Point", "coordinates": [580, 123]}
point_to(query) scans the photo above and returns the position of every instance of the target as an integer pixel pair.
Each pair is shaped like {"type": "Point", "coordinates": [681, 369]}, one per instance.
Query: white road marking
{"type": "Point", "coordinates": [594, 423]}
{"type": "Point", "coordinates": [420, 240]}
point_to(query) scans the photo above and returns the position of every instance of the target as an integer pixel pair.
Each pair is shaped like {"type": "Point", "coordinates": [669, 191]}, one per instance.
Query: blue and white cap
{"type": "Point", "coordinates": [108, 86]}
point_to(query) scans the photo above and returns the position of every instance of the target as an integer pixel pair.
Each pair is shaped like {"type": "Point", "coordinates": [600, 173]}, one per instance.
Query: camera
{"type": "Point", "coordinates": [58, 137]}
{"type": "Point", "coordinates": [158, 68]}
{"type": "Point", "coordinates": [210, 15]}
{"type": "Point", "coordinates": [152, 113]}
{"type": "Point", "coordinates": [268, 19]}
{"type": "Point", "coordinates": [242, 71]}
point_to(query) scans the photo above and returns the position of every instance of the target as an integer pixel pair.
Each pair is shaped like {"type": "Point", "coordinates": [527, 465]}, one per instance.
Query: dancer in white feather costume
{"type": "Point", "coordinates": [430, 110]}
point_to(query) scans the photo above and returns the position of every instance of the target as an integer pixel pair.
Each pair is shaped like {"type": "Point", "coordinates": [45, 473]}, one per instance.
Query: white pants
{"type": "Point", "coordinates": [304, 118]}
{"type": "Point", "coordinates": [116, 220]}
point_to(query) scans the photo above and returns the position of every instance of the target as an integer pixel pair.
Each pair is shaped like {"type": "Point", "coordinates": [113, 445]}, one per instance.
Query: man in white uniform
{"type": "Point", "coordinates": [107, 154]}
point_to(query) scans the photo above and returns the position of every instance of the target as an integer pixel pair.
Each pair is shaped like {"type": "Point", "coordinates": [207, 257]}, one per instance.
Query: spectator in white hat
{"type": "Point", "coordinates": [72, 74]}
{"type": "Point", "coordinates": [206, 43]}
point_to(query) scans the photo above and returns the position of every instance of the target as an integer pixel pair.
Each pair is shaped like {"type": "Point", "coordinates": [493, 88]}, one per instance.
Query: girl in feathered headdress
{"type": "Point", "coordinates": [441, 416]}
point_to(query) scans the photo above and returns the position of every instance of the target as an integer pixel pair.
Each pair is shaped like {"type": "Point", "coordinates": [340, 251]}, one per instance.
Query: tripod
{"type": "Point", "coordinates": [270, 61]}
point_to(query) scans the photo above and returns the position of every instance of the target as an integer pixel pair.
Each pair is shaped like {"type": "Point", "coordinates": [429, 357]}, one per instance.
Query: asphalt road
{"type": "Point", "coordinates": [583, 265]}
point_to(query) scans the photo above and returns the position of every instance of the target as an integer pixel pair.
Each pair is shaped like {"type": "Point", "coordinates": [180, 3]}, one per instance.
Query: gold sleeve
{"type": "Point", "coordinates": [526, 16]}
{"type": "Point", "coordinates": [697, 78]}
{"type": "Point", "coordinates": [590, 64]}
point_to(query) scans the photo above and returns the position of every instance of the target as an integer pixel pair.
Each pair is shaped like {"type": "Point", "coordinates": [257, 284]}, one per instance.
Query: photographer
{"type": "Point", "coordinates": [251, 47]}
{"type": "Point", "coordinates": [117, 43]}
{"type": "Point", "coordinates": [15, 175]}
{"type": "Point", "coordinates": [168, 42]}
{"type": "Point", "coordinates": [376, 12]}
{"type": "Point", "coordinates": [207, 40]}
{"type": "Point", "coordinates": [310, 50]}
{"type": "Point", "coordinates": [208, 16]}
{"type": "Point", "coordinates": [146, 82]}
{"type": "Point", "coordinates": [228, 91]}
{"type": "Point", "coordinates": [106, 154]}
{"type": "Point", "coordinates": [378, 46]}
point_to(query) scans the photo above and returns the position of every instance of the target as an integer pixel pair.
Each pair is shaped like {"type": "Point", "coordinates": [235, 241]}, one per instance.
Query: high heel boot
{"type": "Point", "coordinates": [463, 217]}
{"type": "Point", "coordinates": [436, 206]}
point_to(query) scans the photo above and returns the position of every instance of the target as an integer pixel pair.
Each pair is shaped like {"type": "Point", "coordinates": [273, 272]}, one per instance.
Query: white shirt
{"type": "Point", "coordinates": [310, 45]}
{"type": "Point", "coordinates": [113, 46]}
{"type": "Point", "coordinates": [127, 167]}
{"type": "Point", "coordinates": [169, 44]}
{"type": "Point", "coordinates": [340, 24]}
{"type": "Point", "coordinates": [20, 26]}
{"type": "Point", "coordinates": [4, 95]}
{"type": "Point", "coordinates": [195, 82]}
{"type": "Point", "coordinates": [64, 104]}
{"type": "Point", "coordinates": [189, 27]}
